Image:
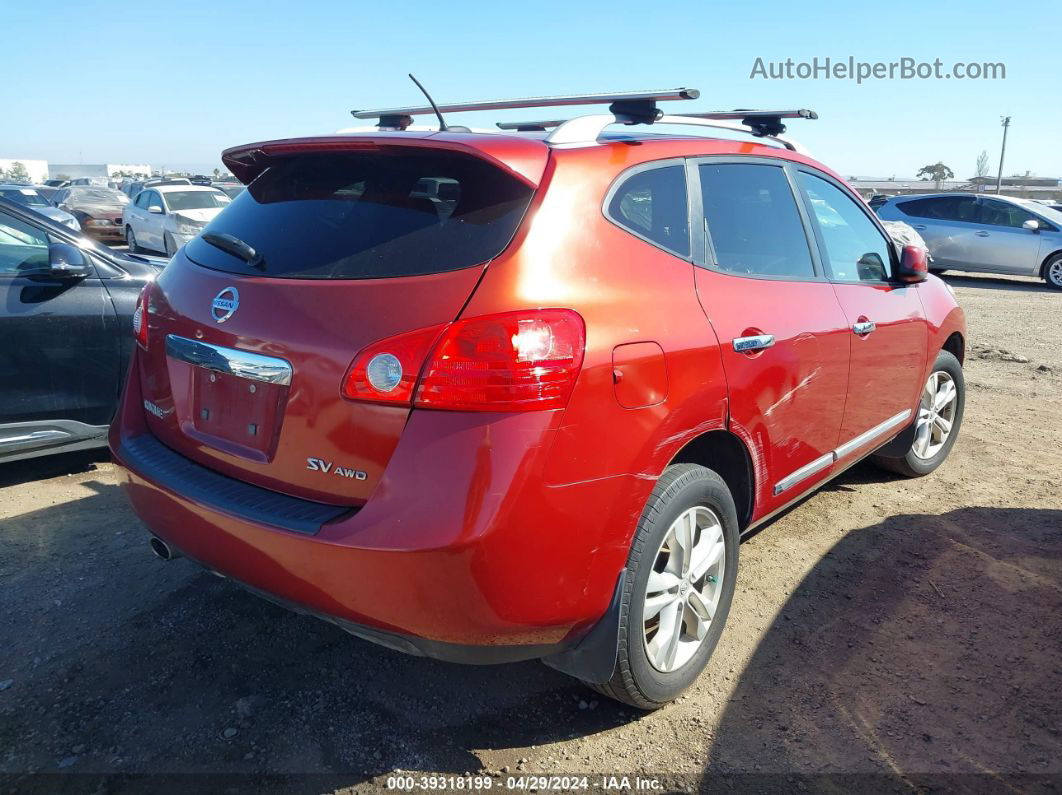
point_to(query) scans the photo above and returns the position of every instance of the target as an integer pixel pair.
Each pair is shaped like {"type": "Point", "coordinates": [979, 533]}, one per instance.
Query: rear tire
{"type": "Point", "coordinates": [937, 423]}
{"type": "Point", "coordinates": [1053, 272]}
{"type": "Point", "coordinates": [660, 656]}
{"type": "Point", "coordinates": [130, 241]}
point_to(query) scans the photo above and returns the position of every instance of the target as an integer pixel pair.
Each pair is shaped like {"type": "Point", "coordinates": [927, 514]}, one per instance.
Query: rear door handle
{"type": "Point", "coordinates": [981, 233]}
{"type": "Point", "coordinates": [756, 343]}
{"type": "Point", "coordinates": [863, 327]}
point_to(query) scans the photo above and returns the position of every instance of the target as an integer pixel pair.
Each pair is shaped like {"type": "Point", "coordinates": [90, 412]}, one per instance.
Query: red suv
{"type": "Point", "coordinates": [497, 396]}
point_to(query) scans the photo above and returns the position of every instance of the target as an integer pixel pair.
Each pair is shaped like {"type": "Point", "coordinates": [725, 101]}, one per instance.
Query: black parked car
{"type": "Point", "coordinates": [66, 308]}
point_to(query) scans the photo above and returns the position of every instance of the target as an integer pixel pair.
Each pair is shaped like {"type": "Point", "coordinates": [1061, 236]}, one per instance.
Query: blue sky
{"type": "Point", "coordinates": [175, 83]}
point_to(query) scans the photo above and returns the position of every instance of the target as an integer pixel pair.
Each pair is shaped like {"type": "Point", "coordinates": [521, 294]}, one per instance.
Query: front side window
{"type": "Point", "coordinates": [753, 222]}
{"type": "Point", "coordinates": [999, 213]}
{"type": "Point", "coordinates": [153, 200]}
{"type": "Point", "coordinates": [855, 249]}
{"type": "Point", "coordinates": [22, 247]}
{"type": "Point", "coordinates": [653, 204]}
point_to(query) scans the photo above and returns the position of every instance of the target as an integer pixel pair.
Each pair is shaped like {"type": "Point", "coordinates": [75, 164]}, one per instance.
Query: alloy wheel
{"type": "Point", "coordinates": [936, 415]}
{"type": "Point", "coordinates": [1054, 273]}
{"type": "Point", "coordinates": [683, 590]}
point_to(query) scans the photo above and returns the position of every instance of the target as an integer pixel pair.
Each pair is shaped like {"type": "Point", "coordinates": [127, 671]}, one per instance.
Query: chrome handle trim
{"type": "Point", "coordinates": [864, 328]}
{"type": "Point", "coordinates": [757, 343]}
{"type": "Point", "coordinates": [867, 436]}
{"type": "Point", "coordinates": [242, 364]}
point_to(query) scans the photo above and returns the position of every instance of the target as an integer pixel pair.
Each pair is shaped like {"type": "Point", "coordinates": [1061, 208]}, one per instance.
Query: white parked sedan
{"type": "Point", "coordinates": [165, 217]}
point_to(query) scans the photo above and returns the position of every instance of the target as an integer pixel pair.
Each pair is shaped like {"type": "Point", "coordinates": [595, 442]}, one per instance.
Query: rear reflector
{"type": "Point", "coordinates": [514, 361]}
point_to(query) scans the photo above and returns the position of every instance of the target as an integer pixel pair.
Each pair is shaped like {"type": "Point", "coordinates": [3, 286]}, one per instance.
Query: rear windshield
{"type": "Point", "coordinates": [363, 216]}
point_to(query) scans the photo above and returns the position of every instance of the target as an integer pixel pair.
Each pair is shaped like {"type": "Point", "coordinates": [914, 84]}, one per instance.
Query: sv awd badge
{"type": "Point", "coordinates": [326, 467]}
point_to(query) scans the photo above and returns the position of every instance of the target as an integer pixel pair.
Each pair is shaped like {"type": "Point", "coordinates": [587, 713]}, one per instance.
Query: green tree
{"type": "Point", "coordinates": [17, 172]}
{"type": "Point", "coordinates": [938, 172]}
{"type": "Point", "coordinates": [981, 172]}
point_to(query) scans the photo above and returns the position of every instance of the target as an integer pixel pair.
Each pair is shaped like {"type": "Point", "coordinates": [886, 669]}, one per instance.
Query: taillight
{"type": "Point", "coordinates": [386, 371]}
{"type": "Point", "coordinates": [140, 319]}
{"type": "Point", "coordinates": [514, 361]}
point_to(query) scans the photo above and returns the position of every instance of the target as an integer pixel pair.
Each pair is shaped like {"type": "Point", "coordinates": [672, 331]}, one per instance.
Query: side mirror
{"type": "Point", "coordinates": [155, 209]}
{"type": "Point", "coordinates": [67, 262]}
{"type": "Point", "coordinates": [914, 267]}
{"type": "Point", "coordinates": [1032, 225]}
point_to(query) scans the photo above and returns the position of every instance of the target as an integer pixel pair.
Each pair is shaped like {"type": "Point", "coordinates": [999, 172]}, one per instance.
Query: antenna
{"type": "Point", "coordinates": [424, 91]}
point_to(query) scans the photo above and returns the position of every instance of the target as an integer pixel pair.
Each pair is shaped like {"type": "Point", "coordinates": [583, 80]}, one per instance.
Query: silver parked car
{"type": "Point", "coordinates": [989, 234]}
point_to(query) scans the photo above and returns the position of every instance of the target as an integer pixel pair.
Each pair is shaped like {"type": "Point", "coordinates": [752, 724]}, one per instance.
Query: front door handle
{"type": "Point", "coordinates": [981, 233]}
{"type": "Point", "coordinates": [863, 327]}
{"type": "Point", "coordinates": [919, 227]}
{"type": "Point", "coordinates": [756, 343]}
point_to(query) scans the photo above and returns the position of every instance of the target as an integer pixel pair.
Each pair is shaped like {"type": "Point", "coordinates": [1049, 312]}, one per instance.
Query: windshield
{"type": "Point", "coordinates": [26, 196]}
{"type": "Point", "coordinates": [194, 199]}
{"type": "Point", "coordinates": [362, 216]}
{"type": "Point", "coordinates": [104, 196]}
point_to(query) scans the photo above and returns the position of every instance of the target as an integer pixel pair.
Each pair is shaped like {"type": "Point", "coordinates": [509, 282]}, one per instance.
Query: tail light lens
{"type": "Point", "coordinates": [514, 361]}
{"type": "Point", "coordinates": [386, 371]}
{"type": "Point", "coordinates": [140, 319]}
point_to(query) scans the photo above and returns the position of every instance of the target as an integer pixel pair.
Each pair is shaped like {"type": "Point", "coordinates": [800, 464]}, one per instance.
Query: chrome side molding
{"type": "Point", "coordinates": [868, 436]}
{"type": "Point", "coordinates": [243, 364]}
{"type": "Point", "coordinates": [849, 447]}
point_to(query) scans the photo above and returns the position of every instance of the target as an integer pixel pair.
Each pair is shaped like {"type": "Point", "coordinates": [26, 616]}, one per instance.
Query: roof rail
{"type": "Point", "coordinates": [633, 105]}
{"type": "Point", "coordinates": [587, 129]}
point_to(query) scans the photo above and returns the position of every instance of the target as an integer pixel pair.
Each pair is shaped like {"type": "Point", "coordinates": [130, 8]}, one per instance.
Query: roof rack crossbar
{"type": "Point", "coordinates": [621, 99]}
{"type": "Point", "coordinates": [758, 123]}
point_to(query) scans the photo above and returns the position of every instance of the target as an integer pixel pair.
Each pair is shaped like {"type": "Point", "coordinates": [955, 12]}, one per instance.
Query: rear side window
{"type": "Point", "coordinates": [753, 221]}
{"type": "Point", "coordinates": [653, 205]}
{"type": "Point", "coordinates": [363, 216]}
{"type": "Point", "coordinates": [944, 208]}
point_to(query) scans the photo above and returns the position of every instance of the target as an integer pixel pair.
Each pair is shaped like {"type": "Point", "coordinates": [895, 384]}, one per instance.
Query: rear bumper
{"type": "Point", "coordinates": [463, 553]}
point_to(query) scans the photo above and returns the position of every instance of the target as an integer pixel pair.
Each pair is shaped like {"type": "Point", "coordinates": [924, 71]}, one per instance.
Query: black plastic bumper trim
{"type": "Point", "coordinates": [154, 461]}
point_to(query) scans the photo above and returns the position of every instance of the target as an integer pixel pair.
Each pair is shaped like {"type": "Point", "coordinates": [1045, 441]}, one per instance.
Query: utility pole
{"type": "Point", "coordinates": [1002, 152]}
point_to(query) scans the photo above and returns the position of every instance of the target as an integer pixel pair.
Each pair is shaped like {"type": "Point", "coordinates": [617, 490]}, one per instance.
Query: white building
{"type": "Point", "coordinates": [37, 169]}
{"type": "Point", "coordinates": [75, 170]}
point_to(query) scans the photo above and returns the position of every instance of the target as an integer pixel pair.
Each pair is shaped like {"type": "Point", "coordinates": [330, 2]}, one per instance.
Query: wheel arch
{"type": "Point", "coordinates": [956, 346]}
{"type": "Point", "coordinates": [1047, 259]}
{"type": "Point", "coordinates": [726, 454]}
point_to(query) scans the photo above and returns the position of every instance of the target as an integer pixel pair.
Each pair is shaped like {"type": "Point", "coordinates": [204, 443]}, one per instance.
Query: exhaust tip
{"type": "Point", "coordinates": [162, 550]}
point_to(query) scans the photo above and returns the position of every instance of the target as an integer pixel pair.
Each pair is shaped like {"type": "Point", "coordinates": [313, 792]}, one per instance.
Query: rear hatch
{"type": "Point", "coordinates": [327, 251]}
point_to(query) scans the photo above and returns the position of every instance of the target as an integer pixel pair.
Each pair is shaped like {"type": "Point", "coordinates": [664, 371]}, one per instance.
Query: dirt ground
{"type": "Point", "coordinates": [886, 635]}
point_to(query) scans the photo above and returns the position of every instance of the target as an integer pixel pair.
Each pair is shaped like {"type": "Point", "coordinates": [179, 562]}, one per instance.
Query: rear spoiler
{"type": "Point", "coordinates": [524, 158]}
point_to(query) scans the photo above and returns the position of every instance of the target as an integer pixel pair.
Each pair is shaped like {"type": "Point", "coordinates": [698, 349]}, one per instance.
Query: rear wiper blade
{"type": "Point", "coordinates": [231, 244]}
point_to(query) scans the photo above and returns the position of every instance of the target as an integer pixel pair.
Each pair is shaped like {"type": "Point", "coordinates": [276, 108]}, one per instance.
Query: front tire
{"type": "Point", "coordinates": [130, 241]}
{"type": "Point", "coordinates": [936, 425]}
{"type": "Point", "coordinates": [681, 574]}
{"type": "Point", "coordinates": [1053, 272]}
{"type": "Point", "coordinates": [171, 247]}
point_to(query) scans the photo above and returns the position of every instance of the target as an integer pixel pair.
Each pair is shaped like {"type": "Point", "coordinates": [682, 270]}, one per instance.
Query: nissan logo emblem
{"type": "Point", "coordinates": [225, 304]}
